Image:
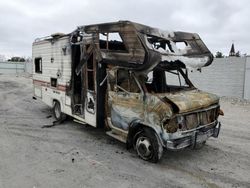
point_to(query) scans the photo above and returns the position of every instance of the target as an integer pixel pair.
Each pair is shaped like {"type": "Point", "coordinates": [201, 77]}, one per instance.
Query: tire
{"type": "Point", "coordinates": [58, 114]}
{"type": "Point", "coordinates": [148, 146]}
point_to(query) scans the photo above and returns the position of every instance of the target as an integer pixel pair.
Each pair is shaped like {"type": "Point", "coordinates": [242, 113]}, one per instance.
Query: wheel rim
{"type": "Point", "coordinates": [144, 148]}
{"type": "Point", "coordinates": [57, 110]}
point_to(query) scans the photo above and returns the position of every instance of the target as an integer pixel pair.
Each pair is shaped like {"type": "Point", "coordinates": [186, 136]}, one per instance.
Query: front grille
{"type": "Point", "coordinates": [192, 120]}
{"type": "Point", "coordinates": [200, 118]}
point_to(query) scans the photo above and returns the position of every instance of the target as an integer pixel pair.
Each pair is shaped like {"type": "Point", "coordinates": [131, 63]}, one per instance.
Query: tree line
{"type": "Point", "coordinates": [15, 59]}
{"type": "Point", "coordinates": [221, 55]}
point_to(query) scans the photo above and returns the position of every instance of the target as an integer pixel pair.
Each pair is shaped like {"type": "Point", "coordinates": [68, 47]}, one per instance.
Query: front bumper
{"type": "Point", "coordinates": [196, 136]}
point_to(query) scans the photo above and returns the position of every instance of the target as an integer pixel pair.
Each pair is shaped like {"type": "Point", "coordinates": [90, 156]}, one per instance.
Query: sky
{"type": "Point", "coordinates": [218, 22]}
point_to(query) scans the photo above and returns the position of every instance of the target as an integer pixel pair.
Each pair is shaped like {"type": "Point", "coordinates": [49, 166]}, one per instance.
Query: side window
{"type": "Point", "coordinates": [38, 65]}
{"type": "Point", "coordinates": [125, 81]}
{"type": "Point", "coordinates": [53, 82]}
{"type": "Point", "coordinates": [111, 41]}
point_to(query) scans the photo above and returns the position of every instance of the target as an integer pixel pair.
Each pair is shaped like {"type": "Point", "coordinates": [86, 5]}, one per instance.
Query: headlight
{"type": "Point", "coordinates": [171, 125]}
{"type": "Point", "coordinates": [174, 124]}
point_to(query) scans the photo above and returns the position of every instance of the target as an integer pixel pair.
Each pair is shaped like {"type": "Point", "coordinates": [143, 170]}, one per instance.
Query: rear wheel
{"type": "Point", "coordinates": [58, 114]}
{"type": "Point", "coordinates": [148, 146]}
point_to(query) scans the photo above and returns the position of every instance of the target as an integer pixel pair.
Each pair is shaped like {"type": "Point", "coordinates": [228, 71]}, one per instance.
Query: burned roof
{"type": "Point", "coordinates": [148, 46]}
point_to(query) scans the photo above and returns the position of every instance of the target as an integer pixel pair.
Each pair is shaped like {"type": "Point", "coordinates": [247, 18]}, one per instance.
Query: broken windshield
{"type": "Point", "coordinates": [162, 81]}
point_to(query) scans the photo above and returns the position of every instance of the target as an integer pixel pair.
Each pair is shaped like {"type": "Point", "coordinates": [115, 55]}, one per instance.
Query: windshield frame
{"type": "Point", "coordinates": [142, 82]}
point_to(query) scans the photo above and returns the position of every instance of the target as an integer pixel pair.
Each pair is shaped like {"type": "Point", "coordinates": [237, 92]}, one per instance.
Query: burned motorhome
{"type": "Point", "coordinates": [131, 80]}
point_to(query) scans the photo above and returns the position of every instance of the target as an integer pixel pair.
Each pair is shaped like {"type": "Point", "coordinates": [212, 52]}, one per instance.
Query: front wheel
{"type": "Point", "coordinates": [58, 114]}
{"type": "Point", "coordinates": [148, 146]}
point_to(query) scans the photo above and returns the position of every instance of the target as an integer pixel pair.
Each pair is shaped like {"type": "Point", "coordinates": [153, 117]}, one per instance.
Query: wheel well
{"type": "Point", "coordinates": [55, 100]}
{"type": "Point", "coordinates": [133, 130]}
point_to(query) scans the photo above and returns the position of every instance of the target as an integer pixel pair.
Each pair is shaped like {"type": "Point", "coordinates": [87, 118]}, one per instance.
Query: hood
{"type": "Point", "coordinates": [191, 100]}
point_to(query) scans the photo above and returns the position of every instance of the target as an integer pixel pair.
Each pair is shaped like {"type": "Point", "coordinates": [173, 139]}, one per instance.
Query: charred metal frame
{"type": "Point", "coordinates": [140, 56]}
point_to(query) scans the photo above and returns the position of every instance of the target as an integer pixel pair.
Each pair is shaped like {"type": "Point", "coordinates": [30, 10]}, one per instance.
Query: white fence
{"type": "Point", "coordinates": [15, 67]}
{"type": "Point", "coordinates": [247, 79]}
{"type": "Point", "coordinates": [225, 77]}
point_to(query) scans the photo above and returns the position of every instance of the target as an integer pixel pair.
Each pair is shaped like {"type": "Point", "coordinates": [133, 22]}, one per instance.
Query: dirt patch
{"type": "Point", "coordinates": [236, 101]}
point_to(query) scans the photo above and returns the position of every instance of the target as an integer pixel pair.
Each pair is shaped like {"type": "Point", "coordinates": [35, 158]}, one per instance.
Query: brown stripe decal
{"type": "Point", "coordinates": [47, 84]}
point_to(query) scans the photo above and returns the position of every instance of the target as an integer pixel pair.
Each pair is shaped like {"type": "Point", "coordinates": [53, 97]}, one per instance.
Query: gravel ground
{"type": "Point", "coordinates": [74, 155]}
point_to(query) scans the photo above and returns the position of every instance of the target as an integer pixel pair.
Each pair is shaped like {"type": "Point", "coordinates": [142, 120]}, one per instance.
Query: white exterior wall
{"type": "Point", "coordinates": [62, 63]}
{"type": "Point", "coordinates": [60, 68]}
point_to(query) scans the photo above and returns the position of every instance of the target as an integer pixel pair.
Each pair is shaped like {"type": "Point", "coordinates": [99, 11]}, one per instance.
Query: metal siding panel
{"type": "Point", "coordinates": [62, 62]}
{"type": "Point", "coordinates": [224, 77]}
{"type": "Point", "coordinates": [247, 79]}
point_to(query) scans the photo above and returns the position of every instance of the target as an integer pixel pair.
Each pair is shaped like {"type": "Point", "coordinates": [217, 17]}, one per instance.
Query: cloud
{"type": "Point", "coordinates": [218, 22]}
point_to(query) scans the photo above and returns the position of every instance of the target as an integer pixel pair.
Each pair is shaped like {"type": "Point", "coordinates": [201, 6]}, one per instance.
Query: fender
{"type": "Point", "coordinates": [135, 127]}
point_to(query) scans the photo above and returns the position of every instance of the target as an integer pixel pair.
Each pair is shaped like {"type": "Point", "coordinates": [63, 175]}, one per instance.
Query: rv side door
{"type": "Point", "coordinates": [90, 90]}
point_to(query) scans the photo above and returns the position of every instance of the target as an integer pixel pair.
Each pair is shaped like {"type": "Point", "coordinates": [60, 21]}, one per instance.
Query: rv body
{"type": "Point", "coordinates": [114, 76]}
